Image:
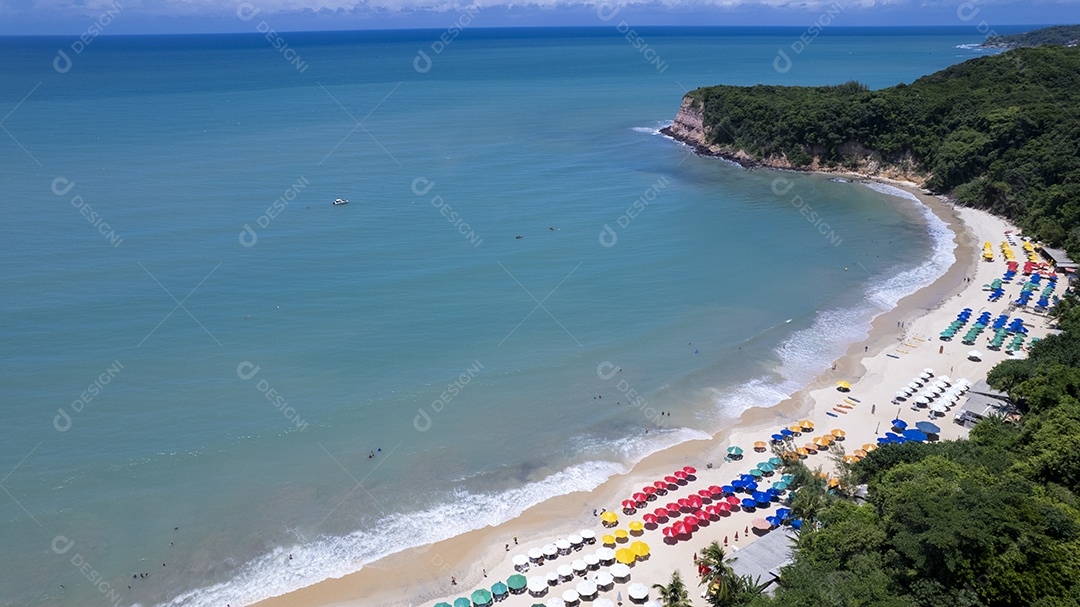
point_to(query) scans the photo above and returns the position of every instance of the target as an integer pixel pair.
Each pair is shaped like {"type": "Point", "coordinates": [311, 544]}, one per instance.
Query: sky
{"type": "Point", "coordinates": [93, 17]}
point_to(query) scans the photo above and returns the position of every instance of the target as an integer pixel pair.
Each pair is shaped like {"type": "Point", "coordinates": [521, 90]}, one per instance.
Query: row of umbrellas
{"type": "Point", "coordinates": [649, 493]}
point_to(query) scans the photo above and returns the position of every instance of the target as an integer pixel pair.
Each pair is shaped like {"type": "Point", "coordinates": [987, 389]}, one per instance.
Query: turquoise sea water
{"type": "Point", "coordinates": [200, 351]}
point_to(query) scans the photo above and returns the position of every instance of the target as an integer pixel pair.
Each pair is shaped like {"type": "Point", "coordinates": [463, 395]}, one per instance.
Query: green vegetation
{"type": "Point", "coordinates": [1000, 133]}
{"type": "Point", "coordinates": [1066, 35]}
{"type": "Point", "coordinates": [723, 587]}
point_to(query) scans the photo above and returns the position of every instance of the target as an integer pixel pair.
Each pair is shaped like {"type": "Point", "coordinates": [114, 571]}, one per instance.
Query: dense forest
{"type": "Point", "coordinates": [1000, 133]}
{"type": "Point", "coordinates": [1066, 35]}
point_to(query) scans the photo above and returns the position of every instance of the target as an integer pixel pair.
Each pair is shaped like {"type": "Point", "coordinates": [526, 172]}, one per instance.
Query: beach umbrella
{"type": "Point", "coordinates": [575, 540]}
{"type": "Point", "coordinates": [660, 485]}
{"type": "Point", "coordinates": [602, 602]}
{"type": "Point", "coordinates": [606, 578]}
{"type": "Point", "coordinates": [777, 438]}
{"type": "Point", "coordinates": [716, 490]}
{"type": "Point", "coordinates": [462, 602]}
{"type": "Point", "coordinates": [636, 526]}
{"type": "Point", "coordinates": [629, 504]}
{"type": "Point", "coordinates": [750, 487]}
{"type": "Point", "coordinates": [605, 554]}
{"type": "Point", "coordinates": [671, 480]}
{"type": "Point", "coordinates": [843, 386]}
{"type": "Point", "coordinates": [516, 582]}
{"type": "Point", "coordinates": [579, 566]}
{"type": "Point", "coordinates": [760, 445]}
{"type": "Point", "coordinates": [621, 534]}
{"type": "Point", "coordinates": [520, 560]}
{"type": "Point", "coordinates": [649, 518]}
{"type": "Point", "coordinates": [648, 490]}
{"type": "Point", "coordinates": [850, 459]}
{"type": "Point", "coordinates": [899, 423]}
{"type": "Point", "coordinates": [481, 597]}
{"type": "Point", "coordinates": [625, 556]}
{"type": "Point", "coordinates": [550, 551]}
{"type": "Point", "coordinates": [939, 408]}
{"type": "Point", "coordinates": [734, 450]}
{"type": "Point", "coordinates": [748, 503]}
{"type": "Point", "coordinates": [915, 435]}
{"type": "Point", "coordinates": [838, 433]}
{"type": "Point", "coordinates": [537, 585]}
{"type": "Point", "coordinates": [640, 497]}
{"type": "Point", "coordinates": [704, 493]}
{"type": "Point", "coordinates": [975, 355]}
{"type": "Point", "coordinates": [732, 499]}
{"type": "Point", "coordinates": [586, 588]}
{"type": "Point", "coordinates": [673, 507]}
{"type": "Point", "coordinates": [555, 602]}
{"type": "Point", "coordinates": [608, 540]}
{"type": "Point", "coordinates": [928, 427]}
{"type": "Point", "coordinates": [806, 424]}
{"type": "Point", "coordinates": [786, 432]}
{"type": "Point", "coordinates": [565, 572]}
{"type": "Point", "coordinates": [443, 604]}
{"type": "Point", "coordinates": [801, 452]}
{"type": "Point", "coordinates": [776, 461]}
{"type": "Point", "coordinates": [638, 592]}
{"type": "Point", "coordinates": [810, 447]}
{"type": "Point", "coordinates": [660, 512]}
{"type": "Point", "coordinates": [499, 589]}
{"type": "Point", "coordinates": [780, 486]}
{"type": "Point", "coordinates": [795, 429]}
{"type": "Point", "coordinates": [591, 561]}
{"type": "Point", "coordinates": [766, 467]}
{"type": "Point", "coordinates": [535, 554]}
{"type": "Point", "coordinates": [640, 548]}
{"type": "Point", "coordinates": [679, 474]}
{"type": "Point", "coordinates": [689, 470]}
{"type": "Point", "coordinates": [563, 545]}
{"type": "Point", "coordinates": [570, 596]}
{"type": "Point", "coordinates": [756, 473]}
{"type": "Point", "coordinates": [761, 497]}
{"type": "Point", "coordinates": [609, 517]}
{"type": "Point", "coordinates": [760, 523]}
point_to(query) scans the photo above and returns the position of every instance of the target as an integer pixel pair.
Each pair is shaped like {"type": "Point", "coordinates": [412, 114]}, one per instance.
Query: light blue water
{"type": "Point", "coordinates": [143, 331]}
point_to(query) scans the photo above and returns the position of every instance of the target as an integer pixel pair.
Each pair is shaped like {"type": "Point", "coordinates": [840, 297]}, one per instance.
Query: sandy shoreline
{"type": "Point", "coordinates": [421, 576]}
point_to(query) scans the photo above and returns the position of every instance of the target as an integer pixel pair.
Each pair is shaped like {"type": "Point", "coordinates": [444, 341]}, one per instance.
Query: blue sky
{"type": "Point", "coordinates": [74, 17]}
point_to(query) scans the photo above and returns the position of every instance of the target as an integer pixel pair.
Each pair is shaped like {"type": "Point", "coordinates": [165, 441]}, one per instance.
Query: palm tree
{"type": "Point", "coordinates": [722, 582]}
{"type": "Point", "coordinates": [673, 594]}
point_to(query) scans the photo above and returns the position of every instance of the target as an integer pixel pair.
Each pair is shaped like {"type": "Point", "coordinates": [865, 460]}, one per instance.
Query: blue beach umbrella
{"type": "Point", "coordinates": [783, 512]}
{"type": "Point", "coordinates": [883, 440]}
{"type": "Point", "coordinates": [750, 487]}
{"type": "Point", "coordinates": [797, 523]}
{"type": "Point", "coordinates": [898, 423]}
{"type": "Point", "coordinates": [746, 478]}
{"type": "Point", "coordinates": [773, 492]}
{"type": "Point", "coordinates": [778, 438]}
{"type": "Point", "coordinates": [774, 520]}
{"type": "Point", "coordinates": [915, 435]}
{"type": "Point", "coordinates": [728, 489]}
{"type": "Point", "coordinates": [761, 497]}
{"type": "Point", "coordinates": [748, 503]}
{"type": "Point", "coordinates": [928, 427]}
{"type": "Point", "coordinates": [738, 484]}
{"type": "Point", "coordinates": [892, 435]}
{"type": "Point", "coordinates": [786, 432]}
{"type": "Point", "coordinates": [900, 440]}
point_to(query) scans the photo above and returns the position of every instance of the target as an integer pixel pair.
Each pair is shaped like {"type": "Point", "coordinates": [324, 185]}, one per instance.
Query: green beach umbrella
{"type": "Point", "coordinates": [781, 486]}
{"type": "Point", "coordinates": [755, 472]}
{"type": "Point", "coordinates": [765, 467]}
{"type": "Point", "coordinates": [462, 602]}
{"type": "Point", "coordinates": [443, 604]}
{"type": "Point", "coordinates": [776, 461]}
{"type": "Point", "coordinates": [516, 581]}
{"type": "Point", "coordinates": [734, 450]}
{"type": "Point", "coordinates": [481, 597]}
{"type": "Point", "coordinates": [499, 589]}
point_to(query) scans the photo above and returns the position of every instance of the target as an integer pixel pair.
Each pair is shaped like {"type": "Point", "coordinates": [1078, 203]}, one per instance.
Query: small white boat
{"type": "Point", "coordinates": [341, 201]}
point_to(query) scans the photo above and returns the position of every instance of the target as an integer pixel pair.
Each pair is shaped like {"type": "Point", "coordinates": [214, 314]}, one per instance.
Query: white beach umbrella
{"type": "Point", "coordinates": [928, 371]}
{"type": "Point", "coordinates": [555, 602]}
{"type": "Point", "coordinates": [537, 585]}
{"type": "Point", "coordinates": [653, 603]}
{"type": "Point", "coordinates": [535, 554]}
{"type": "Point", "coordinates": [520, 561]}
{"type": "Point", "coordinates": [620, 571]}
{"type": "Point", "coordinates": [603, 602]}
{"type": "Point", "coordinates": [940, 385]}
{"type": "Point", "coordinates": [946, 379]}
{"type": "Point", "coordinates": [939, 408]}
{"type": "Point", "coordinates": [565, 572]}
{"type": "Point", "coordinates": [571, 596]}
{"type": "Point", "coordinates": [604, 579]}
{"type": "Point", "coordinates": [914, 386]}
{"type": "Point", "coordinates": [588, 535]}
{"type": "Point", "coordinates": [963, 381]}
{"type": "Point", "coordinates": [579, 566]}
{"type": "Point", "coordinates": [563, 546]}
{"type": "Point", "coordinates": [925, 376]}
{"type": "Point", "coordinates": [586, 588]}
{"type": "Point", "coordinates": [638, 592]}
{"type": "Point", "coordinates": [591, 561]}
{"type": "Point", "coordinates": [922, 401]}
{"type": "Point", "coordinates": [605, 554]}
{"type": "Point", "coordinates": [901, 394]}
{"type": "Point", "coordinates": [550, 551]}
{"type": "Point", "coordinates": [552, 578]}
{"type": "Point", "coordinates": [975, 355]}
{"type": "Point", "coordinates": [575, 540]}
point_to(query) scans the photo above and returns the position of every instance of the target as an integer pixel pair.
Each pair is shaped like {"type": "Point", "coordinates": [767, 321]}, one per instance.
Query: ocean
{"type": "Point", "coordinates": [209, 367]}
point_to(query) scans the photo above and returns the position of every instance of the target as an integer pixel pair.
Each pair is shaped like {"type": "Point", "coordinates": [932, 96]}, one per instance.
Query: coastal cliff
{"type": "Point", "coordinates": [689, 127]}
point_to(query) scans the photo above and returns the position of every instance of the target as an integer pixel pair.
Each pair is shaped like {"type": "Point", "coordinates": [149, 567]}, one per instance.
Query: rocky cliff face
{"type": "Point", "coordinates": [689, 128]}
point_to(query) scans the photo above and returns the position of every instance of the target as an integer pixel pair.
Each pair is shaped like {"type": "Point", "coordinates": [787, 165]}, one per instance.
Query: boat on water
{"type": "Point", "coordinates": [340, 201]}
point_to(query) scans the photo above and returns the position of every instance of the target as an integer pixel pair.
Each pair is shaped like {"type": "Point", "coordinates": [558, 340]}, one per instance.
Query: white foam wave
{"type": "Point", "coordinates": [653, 130]}
{"type": "Point", "coordinates": [275, 574]}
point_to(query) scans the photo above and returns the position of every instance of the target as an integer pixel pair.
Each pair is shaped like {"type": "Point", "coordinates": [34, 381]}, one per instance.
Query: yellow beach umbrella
{"type": "Point", "coordinates": [860, 453]}
{"type": "Point", "coordinates": [636, 525]}
{"type": "Point", "coordinates": [868, 447]}
{"type": "Point", "coordinates": [834, 482]}
{"type": "Point", "coordinates": [851, 459]}
{"type": "Point", "coordinates": [823, 440]}
{"type": "Point", "coordinates": [795, 429]}
{"type": "Point", "coordinates": [807, 424]}
{"type": "Point", "coordinates": [609, 517]}
{"type": "Point", "coordinates": [608, 540]}
{"type": "Point", "coordinates": [838, 433]}
{"type": "Point", "coordinates": [640, 548]}
{"type": "Point", "coordinates": [621, 534]}
{"type": "Point", "coordinates": [801, 452]}
{"type": "Point", "coordinates": [791, 455]}
{"type": "Point", "coordinates": [625, 556]}
{"type": "Point", "coordinates": [843, 385]}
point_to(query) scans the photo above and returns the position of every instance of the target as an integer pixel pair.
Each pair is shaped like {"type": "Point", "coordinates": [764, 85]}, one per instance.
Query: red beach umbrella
{"type": "Point", "coordinates": [673, 507]}
{"type": "Point", "coordinates": [671, 480]}
{"type": "Point", "coordinates": [684, 503]}
{"type": "Point", "coordinates": [681, 528]}
{"type": "Point", "coordinates": [722, 507]}
{"type": "Point", "coordinates": [640, 497]}
{"type": "Point", "coordinates": [669, 531]}
{"type": "Point", "coordinates": [649, 518]}
{"type": "Point", "coordinates": [714, 490]}
{"type": "Point", "coordinates": [660, 512]}
{"type": "Point", "coordinates": [702, 514]}
{"type": "Point", "coordinates": [705, 493]}
{"type": "Point", "coordinates": [733, 500]}
{"type": "Point", "coordinates": [689, 470]}
{"type": "Point", "coordinates": [679, 474]}
{"type": "Point", "coordinates": [695, 501]}
{"type": "Point", "coordinates": [660, 486]}
{"type": "Point", "coordinates": [691, 521]}
{"type": "Point", "coordinates": [629, 504]}
{"type": "Point", "coordinates": [648, 490]}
